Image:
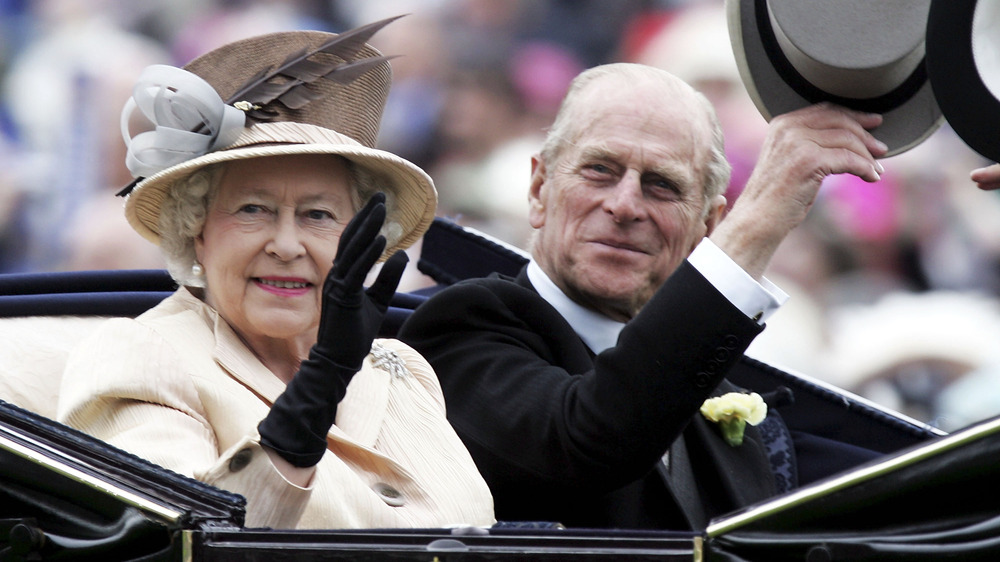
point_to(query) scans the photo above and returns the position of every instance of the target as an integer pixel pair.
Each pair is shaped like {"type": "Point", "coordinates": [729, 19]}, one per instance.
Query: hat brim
{"type": "Point", "coordinates": [415, 195]}
{"type": "Point", "coordinates": [971, 110]}
{"type": "Point", "coordinates": [910, 113]}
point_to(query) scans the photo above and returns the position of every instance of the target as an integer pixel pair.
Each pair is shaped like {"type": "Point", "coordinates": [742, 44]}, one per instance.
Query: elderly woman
{"type": "Point", "coordinates": [262, 374]}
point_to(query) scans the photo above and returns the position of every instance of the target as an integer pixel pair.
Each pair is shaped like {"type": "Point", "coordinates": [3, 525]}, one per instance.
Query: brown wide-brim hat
{"type": "Point", "coordinates": [861, 54]}
{"type": "Point", "coordinates": [339, 117]}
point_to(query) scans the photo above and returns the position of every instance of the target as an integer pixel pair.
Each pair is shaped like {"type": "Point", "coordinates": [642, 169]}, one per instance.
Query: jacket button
{"type": "Point", "coordinates": [240, 460]}
{"type": "Point", "coordinates": [730, 341]}
{"type": "Point", "coordinates": [391, 496]}
{"type": "Point", "coordinates": [702, 380]}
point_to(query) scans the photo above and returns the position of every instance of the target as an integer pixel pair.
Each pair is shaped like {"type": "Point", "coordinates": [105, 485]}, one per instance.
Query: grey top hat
{"type": "Point", "coordinates": [862, 54]}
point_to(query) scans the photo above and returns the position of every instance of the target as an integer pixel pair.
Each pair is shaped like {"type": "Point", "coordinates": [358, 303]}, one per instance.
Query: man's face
{"type": "Point", "coordinates": [623, 204]}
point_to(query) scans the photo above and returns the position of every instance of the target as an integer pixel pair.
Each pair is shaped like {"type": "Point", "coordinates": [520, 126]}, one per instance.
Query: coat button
{"type": "Point", "coordinates": [730, 341]}
{"type": "Point", "coordinates": [391, 496]}
{"type": "Point", "coordinates": [702, 379]}
{"type": "Point", "coordinates": [240, 460]}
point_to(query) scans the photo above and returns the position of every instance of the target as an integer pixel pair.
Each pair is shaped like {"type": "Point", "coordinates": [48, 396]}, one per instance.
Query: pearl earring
{"type": "Point", "coordinates": [197, 270]}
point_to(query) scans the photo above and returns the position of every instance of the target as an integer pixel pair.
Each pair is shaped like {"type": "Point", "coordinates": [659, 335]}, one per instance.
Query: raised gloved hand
{"type": "Point", "coordinates": [350, 317]}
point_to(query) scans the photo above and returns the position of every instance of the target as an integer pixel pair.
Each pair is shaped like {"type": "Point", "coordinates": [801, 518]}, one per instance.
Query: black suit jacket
{"type": "Point", "coordinates": [562, 434]}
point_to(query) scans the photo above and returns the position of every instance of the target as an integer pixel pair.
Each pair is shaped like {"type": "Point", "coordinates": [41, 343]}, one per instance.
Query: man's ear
{"type": "Point", "coordinates": [716, 211]}
{"type": "Point", "coordinates": [537, 193]}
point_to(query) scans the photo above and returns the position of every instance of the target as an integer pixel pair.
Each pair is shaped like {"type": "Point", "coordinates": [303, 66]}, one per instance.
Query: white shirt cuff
{"type": "Point", "coordinates": [756, 300]}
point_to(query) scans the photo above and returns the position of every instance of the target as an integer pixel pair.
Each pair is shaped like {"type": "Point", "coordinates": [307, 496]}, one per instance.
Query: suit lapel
{"type": "Point", "coordinates": [708, 477]}
{"type": "Point", "coordinates": [731, 477]}
{"type": "Point", "coordinates": [678, 474]}
{"type": "Point", "coordinates": [739, 475]}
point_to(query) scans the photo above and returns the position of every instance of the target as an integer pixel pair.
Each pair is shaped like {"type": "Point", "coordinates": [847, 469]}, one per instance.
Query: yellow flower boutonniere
{"type": "Point", "coordinates": [733, 412]}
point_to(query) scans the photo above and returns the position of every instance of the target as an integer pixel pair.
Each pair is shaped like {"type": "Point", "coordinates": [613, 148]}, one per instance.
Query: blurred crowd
{"type": "Point", "coordinates": [894, 285]}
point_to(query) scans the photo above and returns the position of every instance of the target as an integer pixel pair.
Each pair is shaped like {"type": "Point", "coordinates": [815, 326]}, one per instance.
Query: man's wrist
{"type": "Point", "coordinates": [757, 299]}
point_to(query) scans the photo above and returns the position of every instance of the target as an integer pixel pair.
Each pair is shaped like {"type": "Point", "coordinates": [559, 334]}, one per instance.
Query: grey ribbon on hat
{"type": "Point", "coordinates": [189, 119]}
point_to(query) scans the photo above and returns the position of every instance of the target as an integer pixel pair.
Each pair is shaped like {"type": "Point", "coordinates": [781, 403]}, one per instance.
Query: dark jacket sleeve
{"type": "Point", "coordinates": [540, 413]}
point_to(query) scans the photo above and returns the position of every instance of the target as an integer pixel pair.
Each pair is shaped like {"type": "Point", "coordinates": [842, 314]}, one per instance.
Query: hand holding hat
{"type": "Point", "coordinates": [802, 147]}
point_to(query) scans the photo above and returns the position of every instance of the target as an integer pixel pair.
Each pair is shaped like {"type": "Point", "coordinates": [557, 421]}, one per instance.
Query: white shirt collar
{"type": "Point", "coordinates": [595, 329]}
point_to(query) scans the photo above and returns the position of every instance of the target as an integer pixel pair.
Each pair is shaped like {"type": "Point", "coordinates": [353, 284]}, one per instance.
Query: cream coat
{"type": "Point", "coordinates": [179, 388]}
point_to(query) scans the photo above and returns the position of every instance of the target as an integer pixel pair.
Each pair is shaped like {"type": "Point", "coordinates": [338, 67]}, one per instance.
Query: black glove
{"type": "Point", "coordinates": [350, 317]}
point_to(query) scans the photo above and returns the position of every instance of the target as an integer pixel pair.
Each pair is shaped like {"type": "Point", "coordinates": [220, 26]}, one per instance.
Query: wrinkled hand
{"type": "Point", "coordinates": [296, 426]}
{"type": "Point", "coordinates": [801, 149]}
{"type": "Point", "coordinates": [987, 178]}
{"type": "Point", "coordinates": [350, 316]}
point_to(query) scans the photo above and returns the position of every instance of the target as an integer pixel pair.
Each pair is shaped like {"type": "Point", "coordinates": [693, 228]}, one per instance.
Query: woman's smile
{"type": "Point", "coordinates": [283, 286]}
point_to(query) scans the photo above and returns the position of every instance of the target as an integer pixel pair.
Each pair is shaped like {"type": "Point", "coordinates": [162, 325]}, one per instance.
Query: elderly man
{"type": "Point", "coordinates": [577, 385]}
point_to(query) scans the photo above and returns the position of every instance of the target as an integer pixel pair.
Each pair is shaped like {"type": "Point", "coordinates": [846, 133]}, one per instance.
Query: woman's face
{"type": "Point", "coordinates": [269, 240]}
